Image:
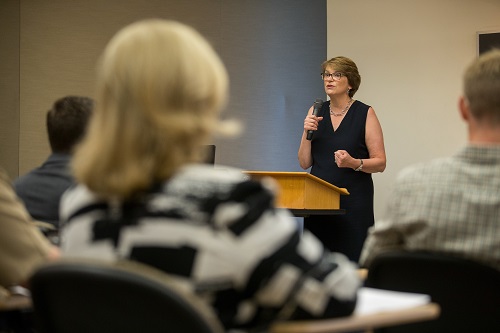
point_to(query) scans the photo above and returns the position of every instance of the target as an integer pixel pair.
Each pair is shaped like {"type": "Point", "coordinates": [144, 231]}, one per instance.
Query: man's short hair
{"type": "Point", "coordinates": [482, 87]}
{"type": "Point", "coordinates": [67, 121]}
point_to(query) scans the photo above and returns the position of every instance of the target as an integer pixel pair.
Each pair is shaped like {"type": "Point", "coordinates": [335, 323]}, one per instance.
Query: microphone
{"type": "Point", "coordinates": [317, 106]}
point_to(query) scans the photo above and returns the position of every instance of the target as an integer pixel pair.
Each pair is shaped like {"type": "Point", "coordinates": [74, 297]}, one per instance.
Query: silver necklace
{"type": "Point", "coordinates": [343, 111]}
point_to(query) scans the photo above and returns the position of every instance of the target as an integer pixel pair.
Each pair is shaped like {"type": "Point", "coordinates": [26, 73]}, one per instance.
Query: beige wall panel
{"type": "Point", "coordinates": [9, 86]}
{"type": "Point", "coordinates": [272, 53]}
{"type": "Point", "coordinates": [60, 45]}
{"type": "Point", "coordinates": [411, 55]}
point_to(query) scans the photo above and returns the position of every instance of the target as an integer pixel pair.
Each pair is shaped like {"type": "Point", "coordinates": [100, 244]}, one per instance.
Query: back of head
{"type": "Point", "coordinates": [482, 88]}
{"type": "Point", "coordinates": [160, 88]}
{"type": "Point", "coordinates": [67, 122]}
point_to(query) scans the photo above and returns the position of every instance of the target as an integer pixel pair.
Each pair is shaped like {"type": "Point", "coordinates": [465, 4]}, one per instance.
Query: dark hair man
{"type": "Point", "coordinates": [41, 188]}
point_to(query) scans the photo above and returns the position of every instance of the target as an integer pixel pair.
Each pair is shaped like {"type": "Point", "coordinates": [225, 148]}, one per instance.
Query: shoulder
{"type": "Point", "coordinates": [208, 173]}
{"type": "Point", "coordinates": [362, 106]}
{"type": "Point", "coordinates": [203, 181]}
{"type": "Point", "coordinates": [74, 199]}
{"type": "Point", "coordinates": [55, 167]}
{"type": "Point", "coordinates": [188, 183]}
{"type": "Point", "coordinates": [20, 182]}
{"type": "Point", "coordinates": [361, 110]}
{"type": "Point", "coordinates": [195, 175]}
{"type": "Point", "coordinates": [424, 173]}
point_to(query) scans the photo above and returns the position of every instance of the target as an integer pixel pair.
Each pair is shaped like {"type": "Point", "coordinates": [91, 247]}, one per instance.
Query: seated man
{"type": "Point", "coordinates": [452, 205]}
{"type": "Point", "coordinates": [41, 188]}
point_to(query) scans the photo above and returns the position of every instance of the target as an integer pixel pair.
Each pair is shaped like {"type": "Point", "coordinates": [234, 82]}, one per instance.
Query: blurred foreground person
{"type": "Point", "coordinates": [22, 246]}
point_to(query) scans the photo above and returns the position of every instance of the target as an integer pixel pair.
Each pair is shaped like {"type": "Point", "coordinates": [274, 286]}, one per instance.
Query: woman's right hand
{"type": "Point", "coordinates": [311, 122]}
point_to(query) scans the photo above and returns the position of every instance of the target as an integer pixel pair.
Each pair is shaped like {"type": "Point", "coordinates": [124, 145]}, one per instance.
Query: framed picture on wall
{"type": "Point", "coordinates": [487, 40]}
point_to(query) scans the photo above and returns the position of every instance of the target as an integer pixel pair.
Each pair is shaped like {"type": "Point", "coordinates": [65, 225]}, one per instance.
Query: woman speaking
{"type": "Point", "coordinates": [346, 147]}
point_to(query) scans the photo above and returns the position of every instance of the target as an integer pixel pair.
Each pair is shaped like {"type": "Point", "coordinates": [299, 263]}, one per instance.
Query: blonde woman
{"type": "Point", "coordinates": [144, 196]}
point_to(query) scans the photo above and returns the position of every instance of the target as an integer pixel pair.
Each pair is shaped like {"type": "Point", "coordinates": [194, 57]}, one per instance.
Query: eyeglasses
{"type": "Point", "coordinates": [334, 76]}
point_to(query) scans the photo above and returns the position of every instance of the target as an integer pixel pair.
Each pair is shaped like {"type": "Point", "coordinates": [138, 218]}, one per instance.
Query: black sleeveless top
{"type": "Point", "coordinates": [349, 136]}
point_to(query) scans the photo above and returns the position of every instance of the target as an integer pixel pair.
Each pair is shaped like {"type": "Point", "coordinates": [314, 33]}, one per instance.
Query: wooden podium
{"type": "Point", "coordinates": [304, 194]}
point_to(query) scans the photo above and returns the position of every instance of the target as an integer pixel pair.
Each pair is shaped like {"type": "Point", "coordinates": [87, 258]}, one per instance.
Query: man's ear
{"type": "Point", "coordinates": [463, 106]}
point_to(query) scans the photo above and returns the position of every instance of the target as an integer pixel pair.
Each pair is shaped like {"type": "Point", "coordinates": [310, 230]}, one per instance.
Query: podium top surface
{"type": "Point", "coordinates": [300, 174]}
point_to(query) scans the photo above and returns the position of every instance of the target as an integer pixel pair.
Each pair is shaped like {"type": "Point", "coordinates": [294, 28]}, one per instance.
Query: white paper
{"type": "Point", "coordinates": [371, 300]}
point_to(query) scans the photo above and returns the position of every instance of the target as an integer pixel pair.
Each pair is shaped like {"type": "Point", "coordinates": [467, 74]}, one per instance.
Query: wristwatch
{"type": "Point", "coordinates": [360, 166]}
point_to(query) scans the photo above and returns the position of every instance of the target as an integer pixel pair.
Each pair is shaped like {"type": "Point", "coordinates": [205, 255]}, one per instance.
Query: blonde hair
{"type": "Point", "coordinates": [160, 88]}
{"type": "Point", "coordinates": [348, 68]}
{"type": "Point", "coordinates": [482, 87]}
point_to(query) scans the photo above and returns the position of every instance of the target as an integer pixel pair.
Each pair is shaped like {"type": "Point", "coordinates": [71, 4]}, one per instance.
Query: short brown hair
{"type": "Point", "coordinates": [347, 67]}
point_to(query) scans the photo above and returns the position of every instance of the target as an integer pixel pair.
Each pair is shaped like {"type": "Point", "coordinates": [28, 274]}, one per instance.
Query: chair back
{"type": "Point", "coordinates": [209, 157]}
{"type": "Point", "coordinates": [82, 297]}
{"type": "Point", "coordinates": [468, 292]}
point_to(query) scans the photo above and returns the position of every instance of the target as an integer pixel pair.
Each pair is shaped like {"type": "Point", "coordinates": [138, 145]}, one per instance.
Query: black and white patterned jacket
{"type": "Point", "coordinates": [220, 233]}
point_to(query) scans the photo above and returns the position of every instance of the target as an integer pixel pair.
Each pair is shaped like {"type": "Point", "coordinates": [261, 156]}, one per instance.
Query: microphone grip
{"type": "Point", "coordinates": [317, 106]}
{"type": "Point", "coordinates": [309, 135]}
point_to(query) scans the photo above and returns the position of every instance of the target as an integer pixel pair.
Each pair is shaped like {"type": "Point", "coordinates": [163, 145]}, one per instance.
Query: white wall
{"type": "Point", "coordinates": [411, 55]}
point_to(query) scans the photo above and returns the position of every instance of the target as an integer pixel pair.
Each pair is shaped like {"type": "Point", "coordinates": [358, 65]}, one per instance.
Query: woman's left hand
{"type": "Point", "coordinates": [343, 159]}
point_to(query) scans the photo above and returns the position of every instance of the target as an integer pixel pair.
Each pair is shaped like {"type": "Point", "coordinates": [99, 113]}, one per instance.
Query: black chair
{"type": "Point", "coordinates": [81, 297]}
{"type": "Point", "coordinates": [468, 292]}
{"type": "Point", "coordinates": [209, 157]}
